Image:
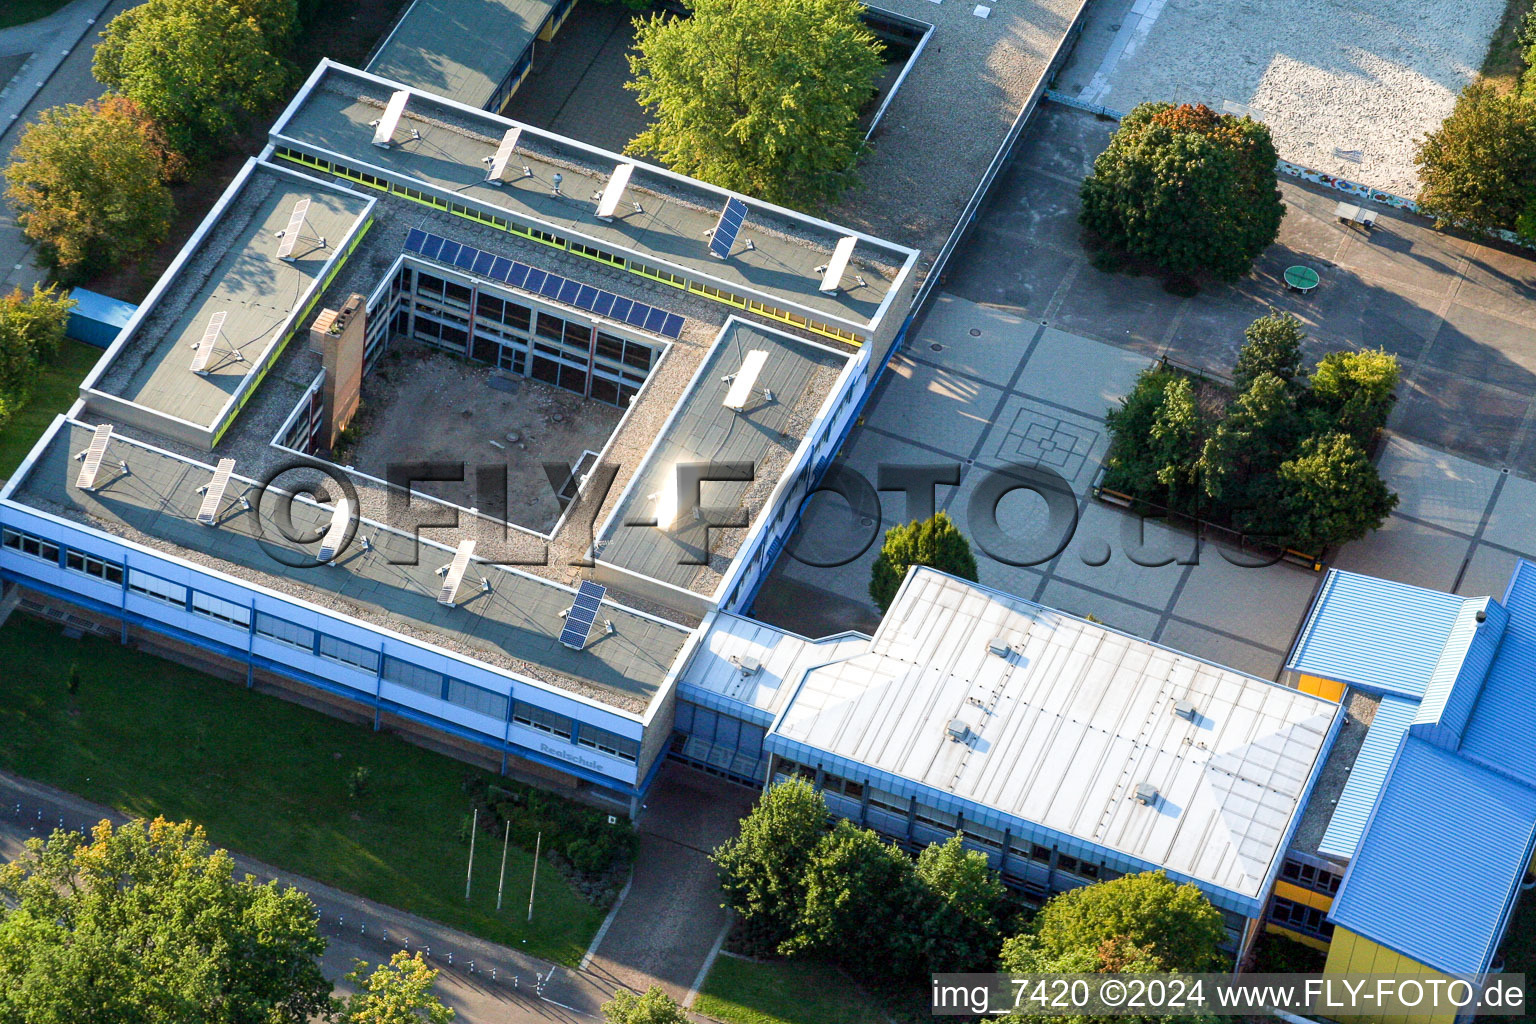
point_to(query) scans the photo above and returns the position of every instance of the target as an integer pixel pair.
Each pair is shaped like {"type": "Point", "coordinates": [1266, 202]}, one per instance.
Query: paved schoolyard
{"type": "Point", "coordinates": [1029, 345]}
{"type": "Point", "coordinates": [1348, 87]}
{"type": "Point", "coordinates": [1460, 315]}
{"type": "Point", "coordinates": [978, 388]}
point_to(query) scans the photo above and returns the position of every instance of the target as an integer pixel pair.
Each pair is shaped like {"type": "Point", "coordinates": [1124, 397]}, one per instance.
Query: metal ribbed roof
{"type": "Point", "coordinates": [1454, 688]}
{"type": "Point", "coordinates": [1375, 634]}
{"type": "Point", "coordinates": [1501, 725]}
{"type": "Point", "coordinates": [1367, 776]}
{"type": "Point", "coordinates": [1443, 855]}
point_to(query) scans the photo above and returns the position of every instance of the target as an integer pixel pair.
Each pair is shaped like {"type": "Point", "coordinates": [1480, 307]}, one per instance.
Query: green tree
{"type": "Point", "coordinates": [863, 905]}
{"type": "Point", "coordinates": [1173, 925]}
{"type": "Point", "coordinates": [31, 329]}
{"type": "Point", "coordinates": [655, 1007]}
{"type": "Point", "coordinates": [1328, 493]}
{"type": "Point", "coordinates": [1479, 167]}
{"type": "Point", "coordinates": [935, 542]}
{"type": "Point", "coordinates": [399, 992]}
{"type": "Point", "coordinates": [1132, 466]}
{"type": "Point", "coordinates": [1256, 433]}
{"type": "Point", "coordinates": [145, 923]}
{"type": "Point", "coordinates": [762, 868]}
{"type": "Point", "coordinates": [1354, 391]}
{"type": "Point", "coordinates": [1178, 430]}
{"type": "Point", "coordinates": [1186, 188]}
{"type": "Point", "coordinates": [88, 184]}
{"type": "Point", "coordinates": [1024, 954]}
{"type": "Point", "coordinates": [201, 68]}
{"type": "Point", "coordinates": [1271, 344]}
{"type": "Point", "coordinates": [961, 933]}
{"type": "Point", "coordinates": [759, 96]}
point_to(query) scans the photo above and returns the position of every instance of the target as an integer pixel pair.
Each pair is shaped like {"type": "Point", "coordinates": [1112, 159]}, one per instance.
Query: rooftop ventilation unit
{"type": "Point", "coordinates": [957, 730]}
{"type": "Point", "coordinates": [502, 161]}
{"type": "Point", "coordinates": [998, 646]}
{"type": "Point", "coordinates": [1186, 709]}
{"type": "Point", "coordinates": [744, 381]}
{"type": "Point", "coordinates": [384, 127]}
{"type": "Point", "coordinates": [749, 665]}
{"type": "Point", "coordinates": [206, 343]}
{"type": "Point", "coordinates": [614, 192]}
{"type": "Point", "coordinates": [453, 572]}
{"type": "Point", "coordinates": [93, 456]}
{"type": "Point", "coordinates": [336, 532]}
{"type": "Point", "coordinates": [1146, 793]}
{"type": "Point", "coordinates": [832, 270]}
{"type": "Point", "coordinates": [213, 492]}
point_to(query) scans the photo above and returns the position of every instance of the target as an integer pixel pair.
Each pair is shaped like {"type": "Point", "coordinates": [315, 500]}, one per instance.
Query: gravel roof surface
{"type": "Point", "coordinates": [1348, 87]}
{"type": "Point", "coordinates": [949, 117]}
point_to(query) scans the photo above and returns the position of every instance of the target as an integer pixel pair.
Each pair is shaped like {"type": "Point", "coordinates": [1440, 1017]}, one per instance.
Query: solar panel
{"type": "Point", "coordinates": [213, 492]}
{"type": "Point", "coordinates": [334, 533]}
{"type": "Point", "coordinates": [617, 182]}
{"type": "Point", "coordinates": [727, 228]}
{"type": "Point", "coordinates": [415, 239]}
{"type": "Point", "coordinates": [534, 279]}
{"type": "Point", "coordinates": [465, 259]}
{"type": "Point", "coordinates": [603, 304]}
{"type": "Point", "coordinates": [550, 287]}
{"type": "Point", "coordinates": [291, 232]}
{"type": "Point", "coordinates": [384, 130]}
{"type": "Point", "coordinates": [455, 573]}
{"type": "Point", "coordinates": [500, 268]}
{"type": "Point", "coordinates": [578, 621]}
{"type": "Point", "coordinates": [655, 319]}
{"type": "Point", "coordinates": [586, 297]}
{"type": "Point", "coordinates": [518, 275]}
{"type": "Point", "coordinates": [568, 291]}
{"type": "Point", "coordinates": [93, 455]}
{"type": "Point", "coordinates": [483, 264]}
{"type": "Point", "coordinates": [209, 339]}
{"type": "Point", "coordinates": [745, 381]}
{"type": "Point", "coordinates": [672, 327]}
{"type": "Point", "coordinates": [832, 279]}
{"type": "Point", "coordinates": [503, 157]}
{"type": "Point", "coordinates": [637, 313]}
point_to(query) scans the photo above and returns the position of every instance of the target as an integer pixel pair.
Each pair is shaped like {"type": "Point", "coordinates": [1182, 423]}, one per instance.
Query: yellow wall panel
{"type": "Point", "coordinates": [1305, 940]}
{"type": "Point", "coordinates": [1317, 686]}
{"type": "Point", "coordinates": [1355, 954]}
{"type": "Point", "coordinates": [1307, 897]}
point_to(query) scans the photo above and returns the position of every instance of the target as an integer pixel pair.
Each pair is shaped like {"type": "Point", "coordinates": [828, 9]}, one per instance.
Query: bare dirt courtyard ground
{"type": "Point", "coordinates": [421, 405]}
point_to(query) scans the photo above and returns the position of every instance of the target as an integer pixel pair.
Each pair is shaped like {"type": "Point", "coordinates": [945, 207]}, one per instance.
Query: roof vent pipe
{"type": "Point", "coordinates": [1482, 615]}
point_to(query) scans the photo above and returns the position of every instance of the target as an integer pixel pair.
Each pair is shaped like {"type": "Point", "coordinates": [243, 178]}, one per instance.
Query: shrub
{"type": "Point", "coordinates": [935, 542]}
{"type": "Point", "coordinates": [31, 329]}
{"type": "Point", "coordinates": [1190, 190]}
{"type": "Point", "coordinates": [1354, 392]}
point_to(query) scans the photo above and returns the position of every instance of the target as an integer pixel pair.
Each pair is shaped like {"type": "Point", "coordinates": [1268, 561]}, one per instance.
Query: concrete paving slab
{"type": "Point", "coordinates": [1106, 531]}
{"type": "Point", "coordinates": [937, 407]}
{"type": "Point", "coordinates": [1488, 573]}
{"type": "Point", "coordinates": [1503, 283]}
{"type": "Point", "coordinates": [1459, 415]}
{"type": "Point", "coordinates": [973, 339]}
{"type": "Point", "coordinates": [1087, 376]}
{"type": "Point", "coordinates": [1390, 253]}
{"type": "Point", "coordinates": [1263, 605]}
{"type": "Point", "coordinates": [1408, 553]}
{"type": "Point", "coordinates": [1031, 432]}
{"type": "Point", "coordinates": [1486, 347]}
{"type": "Point", "coordinates": [1131, 311]}
{"type": "Point", "coordinates": [1513, 520]}
{"type": "Point", "coordinates": [1223, 650]}
{"type": "Point", "coordinates": [1004, 268]}
{"type": "Point", "coordinates": [1436, 487]}
{"type": "Point", "coordinates": [1121, 615]}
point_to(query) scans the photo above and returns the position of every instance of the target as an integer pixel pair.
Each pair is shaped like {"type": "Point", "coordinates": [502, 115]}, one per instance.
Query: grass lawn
{"type": "Point", "coordinates": [18, 12]}
{"type": "Point", "coordinates": [268, 778]}
{"type": "Point", "coordinates": [55, 392]}
{"type": "Point", "coordinates": [782, 992]}
{"type": "Point", "coordinates": [1503, 64]}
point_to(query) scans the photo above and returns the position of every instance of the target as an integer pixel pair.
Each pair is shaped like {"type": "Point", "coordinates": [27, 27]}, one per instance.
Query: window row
{"type": "Point", "coordinates": [1300, 917]}
{"type": "Point", "coordinates": [1309, 876]}
{"type": "Point", "coordinates": [27, 544]}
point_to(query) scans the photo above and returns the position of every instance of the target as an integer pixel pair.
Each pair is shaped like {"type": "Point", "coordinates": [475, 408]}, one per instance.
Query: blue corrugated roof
{"type": "Point", "coordinates": [1375, 634]}
{"type": "Point", "coordinates": [1368, 775]}
{"type": "Point", "coordinates": [1501, 724]}
{"type": "Point", "coordinates": [1458, 680]}
{"type": "Point", "coordinates": [1442, 857]}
